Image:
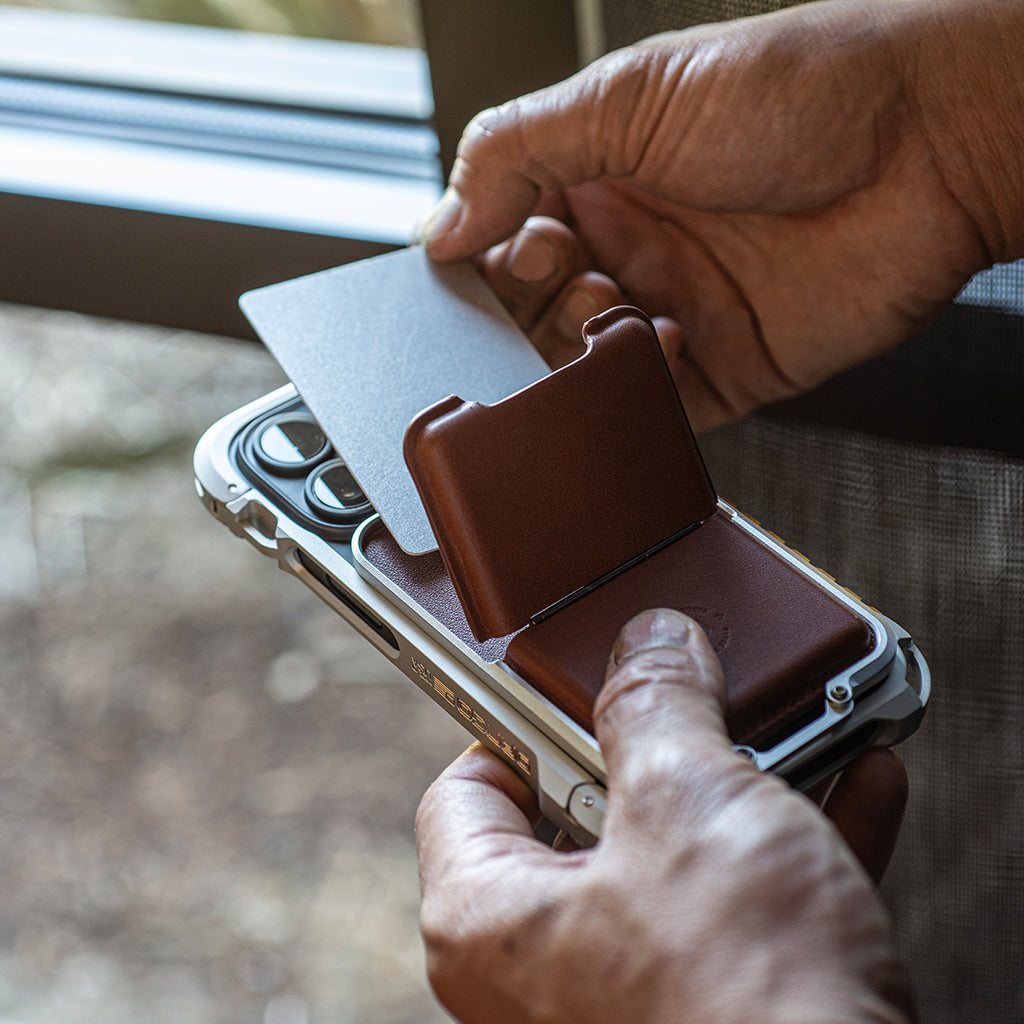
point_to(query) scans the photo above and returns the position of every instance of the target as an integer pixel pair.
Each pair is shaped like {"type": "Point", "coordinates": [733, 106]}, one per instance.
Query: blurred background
{"type": "Point", "coordinates": [388, 22]}
{"type": "Point", "coordinates": [207, 780]}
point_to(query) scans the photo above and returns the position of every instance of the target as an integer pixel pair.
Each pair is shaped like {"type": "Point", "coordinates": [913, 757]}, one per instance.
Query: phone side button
{"type": "Point", "coordinates": [587, 804]}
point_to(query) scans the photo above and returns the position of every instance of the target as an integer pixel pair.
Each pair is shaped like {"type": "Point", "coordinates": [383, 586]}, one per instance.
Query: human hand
{"type": "Point", "coordinates": [786, 195]}
{"type": "Point", "coordinates": [715, 894]}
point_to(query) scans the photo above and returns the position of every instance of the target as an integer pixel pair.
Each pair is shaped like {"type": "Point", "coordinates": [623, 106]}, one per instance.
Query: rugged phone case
{"type": "Point", "coordinates": [562, 510]}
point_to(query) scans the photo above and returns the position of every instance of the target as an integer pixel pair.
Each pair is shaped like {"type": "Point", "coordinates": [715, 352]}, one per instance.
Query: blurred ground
{"type": "Point", "coordinates": [207, 781]}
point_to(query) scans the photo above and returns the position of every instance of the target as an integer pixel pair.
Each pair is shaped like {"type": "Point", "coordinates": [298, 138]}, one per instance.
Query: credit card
{"type": "Point", "coordinates": [370, 344]}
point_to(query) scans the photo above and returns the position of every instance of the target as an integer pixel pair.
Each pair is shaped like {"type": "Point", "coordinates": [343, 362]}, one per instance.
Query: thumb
{"type": "Point", "coordinates": [660, 722]}
{"type": "Point", "coordinates": [575, 131]}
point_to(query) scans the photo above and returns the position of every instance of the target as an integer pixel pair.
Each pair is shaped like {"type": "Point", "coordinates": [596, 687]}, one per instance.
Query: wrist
{"type": "Point", "coordinates": [963, 82]}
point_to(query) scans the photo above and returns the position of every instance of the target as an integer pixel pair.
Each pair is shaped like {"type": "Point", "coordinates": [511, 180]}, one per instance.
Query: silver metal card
{"type": "Point", "coordinates": [370, 344]}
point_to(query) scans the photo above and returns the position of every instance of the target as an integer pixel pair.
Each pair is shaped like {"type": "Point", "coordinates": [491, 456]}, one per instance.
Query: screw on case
{"type": "Point", "coordinates": [587, 806]}
{"type": "Point", "coordinates": [839, 695]}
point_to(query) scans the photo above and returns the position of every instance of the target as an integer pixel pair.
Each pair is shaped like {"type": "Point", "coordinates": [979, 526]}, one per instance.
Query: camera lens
{"type": "Point", "coordinates": [336, 487]}
{"type": "Point", "coordinates": [332, 492]}
{"type": "Point", "coordinates": [290, 443]}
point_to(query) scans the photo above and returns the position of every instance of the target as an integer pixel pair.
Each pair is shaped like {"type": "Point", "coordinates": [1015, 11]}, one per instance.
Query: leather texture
{"type": "Point", "coordinates": [545, 492]}
{"type": "Point", "coordinates": [779, 636]}
{"type": "Point", "coordinates": [427, 583]}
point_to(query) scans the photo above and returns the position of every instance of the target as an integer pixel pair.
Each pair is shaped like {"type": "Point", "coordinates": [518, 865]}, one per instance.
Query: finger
{"type": "Point", "coordinates": [867, 804]}
{"type": "Point", "coordinates": [702, 403]}
{"type": "Point", "coordinates": [660, 721]}
{"type": "Point", "coordinates": [477, 808]}
{"type": "Point", "coordinates": [669, 332]}
{"type": "Point", "coordinates": [529, 270]}
{"type": "Point", "coordinates": [558, 334]}
{"type": "Point", "coordinates": [545, 277]}
{"type": "Point", "coordinates": [484, 877]}
{"type": "Point", "coordinates": [698, 377]}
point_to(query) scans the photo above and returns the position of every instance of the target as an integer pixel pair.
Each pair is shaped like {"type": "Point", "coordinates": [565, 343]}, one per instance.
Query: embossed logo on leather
{"type": "Point", "coordinates": [713, 623]}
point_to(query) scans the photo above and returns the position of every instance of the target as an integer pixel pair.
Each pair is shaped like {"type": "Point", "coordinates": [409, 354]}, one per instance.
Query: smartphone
{"type": "Point", "coordinates": [814, 674]}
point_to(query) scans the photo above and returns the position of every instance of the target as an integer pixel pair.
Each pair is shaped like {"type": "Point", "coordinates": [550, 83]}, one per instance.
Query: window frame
{"type": "Point", "coordinates": [87, 230]}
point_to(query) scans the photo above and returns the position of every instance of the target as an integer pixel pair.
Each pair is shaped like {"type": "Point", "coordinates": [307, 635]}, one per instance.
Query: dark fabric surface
{"type": "Point", "coordinates": [625, 21]}
{"type": "Point", "coordinates": [959, 383]}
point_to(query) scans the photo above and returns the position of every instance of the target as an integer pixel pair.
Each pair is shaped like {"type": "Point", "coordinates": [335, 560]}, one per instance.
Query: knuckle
{"type": "Point", "coordinates": [440, 937]}
{"type": "Point", "coordinates": [681, 793]}
{"type": "Point", "coordinates": [491, 123]}
{"type": "Point", "coordinates": [445, 954]}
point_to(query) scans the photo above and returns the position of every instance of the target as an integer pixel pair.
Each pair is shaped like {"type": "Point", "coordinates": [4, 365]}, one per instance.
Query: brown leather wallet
{"type": "Point", "coordinates": [567, 508]}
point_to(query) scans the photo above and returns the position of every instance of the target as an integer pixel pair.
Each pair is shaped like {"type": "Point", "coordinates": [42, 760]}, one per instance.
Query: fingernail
{"type": "Point", "coordinates": [440, 220]}
{"type": "Point", "coordinates": [660, 627]}
{"type": "Point", "coordinates": [578, 307]}
{"type": "Point", "coordinates": [532, 258]}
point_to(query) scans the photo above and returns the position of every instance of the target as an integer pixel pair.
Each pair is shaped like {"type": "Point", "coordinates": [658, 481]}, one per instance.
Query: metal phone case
{"type": "Point", "coordinates": [877, 700]}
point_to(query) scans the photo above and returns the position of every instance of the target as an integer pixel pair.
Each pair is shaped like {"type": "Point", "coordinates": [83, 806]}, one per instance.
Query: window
{"type": "Point", "coordinates": [155, 171]}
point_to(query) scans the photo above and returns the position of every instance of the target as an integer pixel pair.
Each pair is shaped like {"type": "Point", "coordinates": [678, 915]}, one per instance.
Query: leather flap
{"type": "Point", "coordinates": [550, 489]}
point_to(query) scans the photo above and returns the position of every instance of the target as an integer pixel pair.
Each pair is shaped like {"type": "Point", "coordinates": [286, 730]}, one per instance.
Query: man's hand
{"type": "Point", "coordinates": [786, 195]}
{"type": "Point", "coordinates": [716, 893]}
